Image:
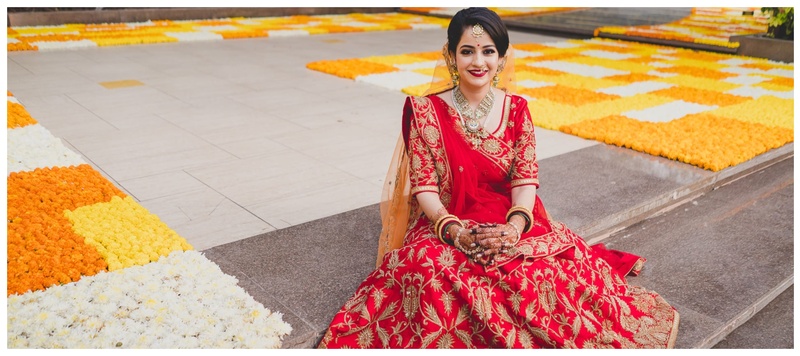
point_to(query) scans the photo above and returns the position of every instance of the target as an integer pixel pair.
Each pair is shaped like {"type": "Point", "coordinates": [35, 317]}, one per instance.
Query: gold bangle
{"type": "Point", "coordinates": [442, 222]}
{"type": "Point", "coordinates": [443, 229]}
{"type": "Point", "coordinates": [525, 212]}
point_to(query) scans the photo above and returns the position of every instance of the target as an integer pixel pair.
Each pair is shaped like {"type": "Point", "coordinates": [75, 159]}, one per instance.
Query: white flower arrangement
{"type": "Point", "coordinates": [64, 45]}
{"type": "Point", "coordinates": [182, 301]}
{"type": "Point", "coordinates": [33, 146]}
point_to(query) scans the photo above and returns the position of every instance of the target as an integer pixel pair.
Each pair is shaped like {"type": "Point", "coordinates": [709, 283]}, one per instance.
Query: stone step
{"type": "Point", "coordinates": [771, 328]}
{"type": "Point", "coordinates": [723, 256]}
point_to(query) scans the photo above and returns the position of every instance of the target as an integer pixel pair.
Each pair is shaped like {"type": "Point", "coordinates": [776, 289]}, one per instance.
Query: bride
{"type": "Point", "coordinates": [469, 258]}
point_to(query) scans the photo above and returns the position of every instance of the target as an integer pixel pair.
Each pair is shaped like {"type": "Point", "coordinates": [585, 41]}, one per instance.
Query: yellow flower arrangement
{"type": "Point", "coordinates": [778, 84]}
{"type": "Point", "coordinates": [690, 81]}
{"type": "Point", "coordinates": [552, 115]}
{"type": "Point", "coordinates": [705, 140]}
{"type": "Point", "coordinates": [701, 96]}
{"type": "Point", "coordinates": [766, 110]}
{"type": "Point", "coordinates": [125, 233]}
{"type": "Point", "coordinates": [577, 88]}
{"type": "Point", "coordinates": [567, 95]}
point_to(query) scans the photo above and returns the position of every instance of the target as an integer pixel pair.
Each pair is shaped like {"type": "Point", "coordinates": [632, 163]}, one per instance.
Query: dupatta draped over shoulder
{"type": "Point", "coordinates": [552, 290]}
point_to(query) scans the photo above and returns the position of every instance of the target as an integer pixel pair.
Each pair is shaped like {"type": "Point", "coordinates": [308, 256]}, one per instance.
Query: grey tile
{"type": "Point", "coordinates": [771, 328]}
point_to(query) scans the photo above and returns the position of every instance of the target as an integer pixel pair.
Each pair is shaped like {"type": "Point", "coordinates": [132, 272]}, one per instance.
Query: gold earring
{"type": "Point", "coordinates": [454, 74]}
{"type": "Point", "coordinates": [496, 79]}
{"type": "Point", "coordinates": [451, 64]}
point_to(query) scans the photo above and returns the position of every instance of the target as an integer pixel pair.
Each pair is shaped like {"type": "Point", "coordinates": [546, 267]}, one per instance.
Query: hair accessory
{"type": "Point", "coordinates": [477, 30]}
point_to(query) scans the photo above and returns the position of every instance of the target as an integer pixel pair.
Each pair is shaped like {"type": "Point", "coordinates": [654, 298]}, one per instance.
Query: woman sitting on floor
{"type": "Point", "coordinates": [472, 259]}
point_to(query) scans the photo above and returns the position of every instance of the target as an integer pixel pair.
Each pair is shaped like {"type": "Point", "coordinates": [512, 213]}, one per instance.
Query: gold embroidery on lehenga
{"type": "Point", "coordinates": [555, 294]}
{"type": "Point", "coordinates": [491, 145]}
{"type": "Point", "coordinates": [431, 135]}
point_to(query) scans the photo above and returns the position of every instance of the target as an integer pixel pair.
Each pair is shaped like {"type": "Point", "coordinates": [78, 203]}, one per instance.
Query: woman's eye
{"type": "Point", "coordinates": [488, 51]}
{"type": "Point", "coordinates": [466, 52]}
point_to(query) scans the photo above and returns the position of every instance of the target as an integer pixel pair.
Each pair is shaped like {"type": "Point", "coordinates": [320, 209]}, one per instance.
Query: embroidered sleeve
{"type": "Point", "coordinates": [422, 172]}
{"type": "Point", "coordinates": [525, 167]}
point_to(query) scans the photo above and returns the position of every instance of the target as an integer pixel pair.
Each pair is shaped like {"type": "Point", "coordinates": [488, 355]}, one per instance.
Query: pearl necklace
{"type": "Point", "coordinates": [473, 125]}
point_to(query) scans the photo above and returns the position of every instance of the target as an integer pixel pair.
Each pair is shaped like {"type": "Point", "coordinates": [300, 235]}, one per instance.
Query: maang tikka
{"type": "Point", "coordinates": [477, 30]}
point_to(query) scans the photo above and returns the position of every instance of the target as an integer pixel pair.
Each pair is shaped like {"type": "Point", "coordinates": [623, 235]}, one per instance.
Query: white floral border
{"type": "Point", "coordinates": [182, 301]}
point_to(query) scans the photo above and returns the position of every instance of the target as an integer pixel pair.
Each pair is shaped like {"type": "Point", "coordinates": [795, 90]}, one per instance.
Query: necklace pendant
{"type": "Point", "coordinates": [473, 125]}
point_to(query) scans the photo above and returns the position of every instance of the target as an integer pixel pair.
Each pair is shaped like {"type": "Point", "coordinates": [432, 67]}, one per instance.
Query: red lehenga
{"type": "Point", "coordinates": [551, 291]}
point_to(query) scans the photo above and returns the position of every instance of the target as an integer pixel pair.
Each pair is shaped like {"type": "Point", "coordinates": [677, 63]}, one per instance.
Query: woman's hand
{"type": "Point", "coordinates": [465, 241]}
{"type": "Point", "coordinates": [494, 239]}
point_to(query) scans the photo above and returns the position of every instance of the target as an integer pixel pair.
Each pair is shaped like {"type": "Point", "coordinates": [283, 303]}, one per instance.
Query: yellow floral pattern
{"type": "Point", "coordinates": [125, 233]}
{"type": "Point", "coordinates": [34, 38]}
{"type": "Point", "coordinates": [710, 26]}
{"type": "Point", "coordinates": [710, 110]}
{"type": "Point", "coordinates": [501, 11]}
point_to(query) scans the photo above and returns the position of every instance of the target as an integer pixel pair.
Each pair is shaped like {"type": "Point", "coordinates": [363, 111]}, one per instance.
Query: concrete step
{"type": "Point", "coordinates": [771, 328]}
{"type": "Point", "coordinates": [308, 271]}
{"type": "Point", "coordinates": [722, 257]}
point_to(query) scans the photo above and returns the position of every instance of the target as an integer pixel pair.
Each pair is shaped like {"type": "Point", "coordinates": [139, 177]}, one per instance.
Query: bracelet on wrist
{"type": "Point", "coordinates": [441, 225]}
{"type": "Point", "coordinates": [525, 213]}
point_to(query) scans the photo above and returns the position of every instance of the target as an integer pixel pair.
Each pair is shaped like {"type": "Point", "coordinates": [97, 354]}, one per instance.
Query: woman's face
{"type": "Point", "coordinates": [477, 59]}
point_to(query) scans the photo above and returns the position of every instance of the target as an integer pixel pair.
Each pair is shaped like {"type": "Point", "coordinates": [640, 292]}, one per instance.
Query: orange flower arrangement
{"type": "Point", "coordinates": [350, 68]}
{"type": "Point", "coordinates": [18, 116]}
{"type": "Point", "coordinates": [697, 72]}
{"type": "Point", "coordinates": [242, 34]}
{"type": "Point", "coordinates": [42, 248]}
{"type": "Point", "coordinates": [701, 96]}
{"type": "Point", "coordinates": [782, 81]}
{"type": "Point", "coordinates": [566, 95]}
{"type": "Point", "coordinates": [632, 78]}
{"type": "Point", "coordinates": [539, 70]}
{"type": "Point", "coordinates": [22, 46]}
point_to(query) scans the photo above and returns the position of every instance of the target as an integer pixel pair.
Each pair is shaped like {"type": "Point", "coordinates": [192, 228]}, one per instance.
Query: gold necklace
{"type": "Point", "coordinates": [473, 122]}
{"type": "Point", "coordinates": [474, 129]}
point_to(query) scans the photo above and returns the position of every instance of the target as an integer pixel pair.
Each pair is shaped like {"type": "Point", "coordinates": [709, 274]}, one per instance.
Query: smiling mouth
{"type": "Point", "coordinates": [479, 73]}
